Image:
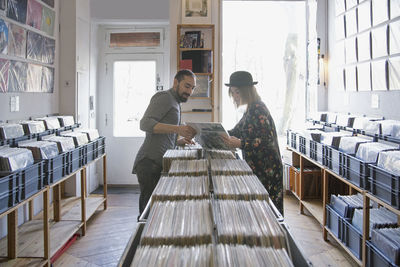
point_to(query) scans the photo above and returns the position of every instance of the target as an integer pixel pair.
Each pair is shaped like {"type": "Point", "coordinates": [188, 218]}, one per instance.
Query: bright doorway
{"type": "Point", "coordinates": [268, 39]}
{"type": "Point", "coordinates": [129, 83]}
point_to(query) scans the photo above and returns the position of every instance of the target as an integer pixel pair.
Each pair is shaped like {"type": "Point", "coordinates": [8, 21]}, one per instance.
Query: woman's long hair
{"type": "Point", "coordinates": [248, 95]}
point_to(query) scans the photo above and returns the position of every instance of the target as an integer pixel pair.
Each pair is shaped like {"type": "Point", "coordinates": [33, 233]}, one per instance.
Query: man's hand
{"type": "Point", "coordinates": [186, 131]}
{"type": "Point", "coordinates": [231, 141]}
{"type": "Point", "coordinates": [184, 141]}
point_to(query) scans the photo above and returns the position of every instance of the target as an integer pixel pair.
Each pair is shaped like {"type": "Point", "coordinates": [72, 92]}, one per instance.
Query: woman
{"type": "Point", "coordinates": [255, 134]}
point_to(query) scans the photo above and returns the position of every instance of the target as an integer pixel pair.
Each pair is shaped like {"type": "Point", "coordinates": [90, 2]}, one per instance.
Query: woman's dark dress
{"type": "Point", "coordinates": [260, 149]}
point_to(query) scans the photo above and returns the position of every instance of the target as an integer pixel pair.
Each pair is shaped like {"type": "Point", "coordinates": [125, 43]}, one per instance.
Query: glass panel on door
{"type": "Point", "coordinates": [134, 85]}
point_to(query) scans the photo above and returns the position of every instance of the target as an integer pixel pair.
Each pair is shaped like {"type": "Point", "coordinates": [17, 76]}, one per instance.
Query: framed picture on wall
{"type": "Point", "coordinates": [196, 11]}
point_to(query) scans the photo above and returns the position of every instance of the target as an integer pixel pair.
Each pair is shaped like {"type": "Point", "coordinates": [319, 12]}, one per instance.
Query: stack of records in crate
{"type": "Point", "coordinates": [13, 159]}
{"type": "Point", "coordinates": [181, 188]}
{"type": "Point", "coordinates": [188, 168]}
{"type": "Point", "coordinates": [183, 223]}
{"type": "Point", "coordinates": [64, 143]}
{"type": "Point", "coordinates": [174, 154]}
{"type": "Point", "coordinates": [41, 149]}
{"type": "Point", "coordinates": [378, 218]}
{"type": "Point", "coordinates": [11, 130]}
{"type": "Point", "coordinates": [239, 187]}
{"type": "Point", "coordinates": [220, 154]}
{"type": "Point", "coordinates": [229, 167]}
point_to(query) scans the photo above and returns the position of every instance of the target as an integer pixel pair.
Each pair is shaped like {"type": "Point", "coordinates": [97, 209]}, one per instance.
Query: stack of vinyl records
{"type": "Point", "coordinates": [390, 161]}
{"type": "Point", "coordinates": [174, 154]}
{"type": "Point", "coordinates": [11, 130]}
{"type": "Point", "coordinates": [239, 187]}
{"type": "Point", "coordinates": [188, 168]}
{"type": "Point", "coordinates": [368, 124]}
{"type": "Point", "coordinates": [181, 188]}
{"type": "Point", "coordinates": [80, 139]}
{"type": "Point", "coordinates": [387, 240]}
{"type": "Point", "coordinates": [378, 218]}
{"type": "Point", "coordinates": [200, 256]}
{"type": "Point", "coordinates": [368, 152]}
{"type": "Point", "coordinates": [41, 149]}
{"type": "Point", "coordinates": [195, 146]}
{"type": "Point", "coordinates": [92, 134]}
{"type": "Point", "coordinates": [229, 167]}
{"type": "Point", "coordinates": [64, 143]}
{"type": "Point", "coordinates": [333, 138]}
{"type": "Point", "coordinates": [180, 223]}
{"type": "Point", "coordinates": [33, 127]}
{"type": "Point", "coordinates": [345, 205]}
{"type": "Point", "coordinates": [66, 120]}
{"type": "Point", "coordinates": [51, 123]}
{"type": "Point", "coordinates": [391, 128]}
{"type": "Point", "coordinates": [248, 223]}
{"type": "Point", "coordinates": [220, 154]}
{"type": "Point", "coordinates": [14, 158]}
{"type": "Point", "coordinates": [349, 144]}
{"type": "Point", "coordinates": [240, 255]}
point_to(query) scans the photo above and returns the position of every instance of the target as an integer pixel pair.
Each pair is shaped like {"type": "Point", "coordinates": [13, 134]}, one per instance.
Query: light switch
{"type": "Point", "coordinates": [14, 103]}
{"type": "Point", "coordinates": [374, 101]}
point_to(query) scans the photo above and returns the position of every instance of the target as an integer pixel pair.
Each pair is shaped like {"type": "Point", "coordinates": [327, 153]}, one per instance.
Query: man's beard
{"type": "Point", "coordinates": [182, 97]}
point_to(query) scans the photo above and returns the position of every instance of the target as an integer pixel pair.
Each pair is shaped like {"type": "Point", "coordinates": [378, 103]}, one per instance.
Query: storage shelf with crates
{"type": "Point", "coordinates": [49, 230]}
{"type": "Point", "coordinates": [195, 51]}
{"type": "Point", "coordinates": [333, 183]}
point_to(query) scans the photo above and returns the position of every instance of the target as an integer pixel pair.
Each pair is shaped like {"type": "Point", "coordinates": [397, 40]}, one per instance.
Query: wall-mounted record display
{"type": "Point", "coordinates": [16, 10]}
{"type": "Point", "coordinates": [34, 17]}
{"type": "Point", "coordinates": [3, 36]}
{"type": "Point", "coordinates": [4, 66]}
{"type": "Point", "coordinates": [48, 80]}
{"type": "Point", "coordinates": [48, 17]}
{"type": "Point", "coordinates": [17, 41]}
{"type": "Point", "coordinates": [34, 79]}
{"type": "Point", "coordinates": [17, 76]}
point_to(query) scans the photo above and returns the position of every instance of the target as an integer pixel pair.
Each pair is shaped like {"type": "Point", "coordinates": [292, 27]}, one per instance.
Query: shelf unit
{"type": "Point", "coordinates": [317, 207]}
{"type": "Point", "coordinates": [208, 31]}
{"type": "Point", "coordinates": [54, 225]}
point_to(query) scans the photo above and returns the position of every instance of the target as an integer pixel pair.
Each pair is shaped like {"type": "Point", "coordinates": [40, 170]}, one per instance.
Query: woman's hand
{"type": "Point", "coordinates": [231, 141]}
{"type": "Point", "coordinates": [184, 141]}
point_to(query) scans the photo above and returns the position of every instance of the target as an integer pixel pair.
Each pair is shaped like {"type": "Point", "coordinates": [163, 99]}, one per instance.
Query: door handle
{"type": "Point", "coordinates": [106, 119]}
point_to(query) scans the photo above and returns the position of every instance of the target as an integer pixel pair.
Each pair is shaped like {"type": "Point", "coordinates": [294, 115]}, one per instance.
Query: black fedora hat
{"type": "Point", "coordinates": [240, 78]}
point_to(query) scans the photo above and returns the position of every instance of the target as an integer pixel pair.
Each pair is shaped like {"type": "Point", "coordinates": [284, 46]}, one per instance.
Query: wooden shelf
{"type": "Point", "coordinates": [315, 207]}
{"type": "Point", "coordinates": [92, 204]}
{"type": "Point", "coordinates": [343, 246]}
{"type": "Point", "coordinates": [30, 237]}
{"type": "Point", "coordinates": [22, 262]}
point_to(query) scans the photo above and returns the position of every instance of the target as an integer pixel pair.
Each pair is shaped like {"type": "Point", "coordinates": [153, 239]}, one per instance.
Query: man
{"type": "Point", "coordinates": [161, 122]}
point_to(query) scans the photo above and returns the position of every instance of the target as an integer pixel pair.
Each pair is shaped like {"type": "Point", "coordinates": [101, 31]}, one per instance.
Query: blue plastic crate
{"type": "Point", "coordinates": [316, 151]}
{"type": "Point", "coordinates": [8, 200]}
{"type": "Point", "coordinates": [384, 177]}
{"type": "Point", "coordinates": [101, 151]}
{"type": "Point", "coordinates": [352, 238]}
{"type": "Point", "coordinates": [334, 222]}
{"type": "Point", "coordinates": [375, 257]}
{"type": "Point", "coordinates": [332, 159]}
{"type": "Point", "coordinates": [9, 181]}
{"type": "Point", "coordinates": [31, 187]}
{"type": "Point", "coordinates": [57, 162]}
{"type": "Point", "coordinates": [385, 193]}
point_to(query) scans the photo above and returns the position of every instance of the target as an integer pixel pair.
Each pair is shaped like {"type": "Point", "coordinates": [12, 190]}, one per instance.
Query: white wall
{"type": "Point", "coordinates": [128, 9]}
{"type": "Point", "coordinates": [357, 102]}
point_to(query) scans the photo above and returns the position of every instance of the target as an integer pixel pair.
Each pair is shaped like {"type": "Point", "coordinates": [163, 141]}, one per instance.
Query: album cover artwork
{"type": "Point", "coordinates": [17, 41]}
{"type": "Point", "coordinates": [34, 17]}
{"type": "Point", "coordinates": [4, 66]}
{"type": "Point", "coordinates": [16, 10]}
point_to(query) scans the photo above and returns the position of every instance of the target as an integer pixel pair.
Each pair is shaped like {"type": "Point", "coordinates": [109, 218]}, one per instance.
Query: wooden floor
{"type": "Point", "coordinates": [107, 234]}
{"type": "Point", "coordinates": [109, 231]}
{"type": "Point", "coordinates": [308, 234]}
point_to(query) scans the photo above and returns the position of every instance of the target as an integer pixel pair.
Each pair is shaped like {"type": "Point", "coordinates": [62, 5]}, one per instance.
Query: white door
{"type": "Point", "coordinates": [129, 83]}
